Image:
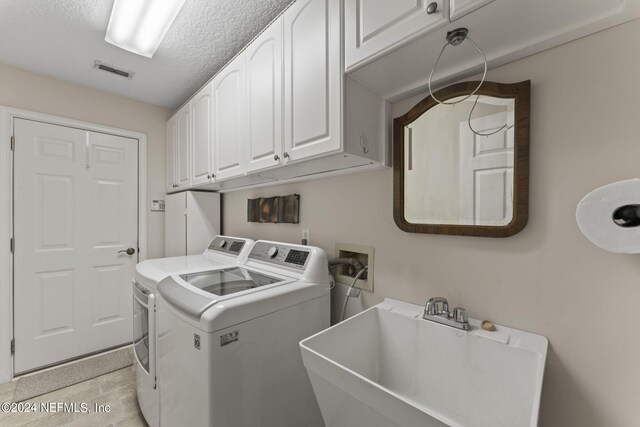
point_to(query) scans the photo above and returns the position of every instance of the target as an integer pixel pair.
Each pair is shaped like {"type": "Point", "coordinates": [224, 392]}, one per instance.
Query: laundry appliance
{"type": "Point", "coordinates": [223, 251]}
{"type": "Point", "coordinates": [228, 353]}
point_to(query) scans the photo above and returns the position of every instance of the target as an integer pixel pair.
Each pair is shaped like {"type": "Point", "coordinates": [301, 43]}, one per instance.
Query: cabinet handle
{"type": "Point", "coordinates": [213, 176]}
{"type": "Point", "coordinates": [285, 155]}
{"type": "Point", "coordinates": [432, 8]}
{"type": "Point", "coordinates": [276, 157]}
{"type": "Point", "coordinates": [208, 176]}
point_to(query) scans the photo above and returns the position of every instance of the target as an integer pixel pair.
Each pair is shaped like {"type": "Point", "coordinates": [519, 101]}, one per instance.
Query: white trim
{"type": "Point", "coordinates": [7, 114]}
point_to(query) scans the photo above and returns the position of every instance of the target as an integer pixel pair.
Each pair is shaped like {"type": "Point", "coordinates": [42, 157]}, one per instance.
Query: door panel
{"type": "Point", "coordinates": [75, 206]}
{"type": "Point", "coordinates": [486, 170]}
{"type": "Point", "coordinates": [172, 135]}
{"type": "Point", "coordinates": [228, 114]}
{"type": "Point", "coordinates": [201, 154]}
{"type": "Point", "coordinates": [184, 134]}
{"type": "Point", "coordinates": [374, 27]}
{"type": "Point", "coordinates": [313, 78]}
{"type": "Point", "coordinates": [264, 99]}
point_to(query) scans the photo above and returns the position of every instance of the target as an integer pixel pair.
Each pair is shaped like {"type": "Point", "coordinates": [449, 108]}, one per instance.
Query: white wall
{"type": "Point", "coordinates": [28, 91]}
{"type": "Point", "coordinates": [548, 279]}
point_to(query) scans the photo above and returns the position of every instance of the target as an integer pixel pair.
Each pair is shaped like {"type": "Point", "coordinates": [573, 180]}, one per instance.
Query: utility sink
{"type": "Point", "coordinates": [389, 367]}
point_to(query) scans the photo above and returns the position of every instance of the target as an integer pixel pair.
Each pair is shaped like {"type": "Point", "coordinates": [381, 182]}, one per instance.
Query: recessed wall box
{"type": "Point", "coordinates": [345, 274]}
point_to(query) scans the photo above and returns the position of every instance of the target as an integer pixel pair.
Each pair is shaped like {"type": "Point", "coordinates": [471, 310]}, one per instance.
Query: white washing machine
{"type": "Point", "coordinates": [222, 251]}
{"type": "Point", "coordinates": [228, 353]}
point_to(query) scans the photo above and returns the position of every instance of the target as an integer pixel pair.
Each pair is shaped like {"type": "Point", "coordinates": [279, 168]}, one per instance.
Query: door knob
{"type": "Point", "coordinates": [129, 251]}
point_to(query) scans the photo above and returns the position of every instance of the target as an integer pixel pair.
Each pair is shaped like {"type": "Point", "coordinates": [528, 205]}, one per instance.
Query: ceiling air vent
{"type": "Point", "coordinates": [98, 65]}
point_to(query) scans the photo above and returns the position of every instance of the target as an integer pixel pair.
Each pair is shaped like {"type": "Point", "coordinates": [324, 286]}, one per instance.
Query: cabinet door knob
{"type": "Point", "coordinates": [208, 176]}
{"type": "Point", "coordinates": [432, 8]}
{"type": "Point", "coordinates": [276, 157]}
{"type": "Point", "coordinates": [285, 155]}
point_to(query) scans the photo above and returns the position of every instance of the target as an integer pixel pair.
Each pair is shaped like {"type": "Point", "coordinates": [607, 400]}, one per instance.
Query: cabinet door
{"type": "Point", "coordinates": [459, 8]}
{"type": "Point", "coordinates": [313, 78]}
{"type": "Point", "coordinates": [264, 99]}
{"type": "Point", "coordinates": [201, 142]}
{"type": "Point", "coordinates": [228, 120]}
{"type": "Point", "coordinates": [183, 142]}
{"type": "Point", "coordinates": [172, 134]}
{"type": "Point", "coordinates": [375, 27]}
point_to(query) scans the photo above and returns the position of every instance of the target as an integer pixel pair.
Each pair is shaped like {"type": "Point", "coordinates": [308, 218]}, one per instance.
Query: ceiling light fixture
{"type": "Point", "coordinates": [140, 25]}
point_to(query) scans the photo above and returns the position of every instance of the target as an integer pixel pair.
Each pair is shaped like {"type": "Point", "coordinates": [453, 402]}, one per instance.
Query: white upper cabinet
{"type": "Point", "coordinates": [172, 137]}
{"type": "Point", "coordinates": [201, 113]}
{"type": "Point", "coordinates": [183, 147]}
{"type": "Point", "coordinates": [313, 78]}
{"type": "Point", "coordinates": [264, 137]}
{"type": "Point", "coordinates": [183, 142]}
{"type": "Point", "coordinates": [228, 120]}
{"type": "Point", "coordinates": [375, 27]}
{"type": "Point", "coordinates": [459, 8]}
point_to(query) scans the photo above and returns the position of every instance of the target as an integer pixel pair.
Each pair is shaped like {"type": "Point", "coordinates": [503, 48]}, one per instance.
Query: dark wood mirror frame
{"type": "Point", "coordinates": [521, 93]}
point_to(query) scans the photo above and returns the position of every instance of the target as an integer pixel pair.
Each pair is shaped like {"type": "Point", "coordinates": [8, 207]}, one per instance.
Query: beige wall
{"type": "Point", "coordinates": [549, 278]}
{"type": "Point", "coordinates": [22, 89]}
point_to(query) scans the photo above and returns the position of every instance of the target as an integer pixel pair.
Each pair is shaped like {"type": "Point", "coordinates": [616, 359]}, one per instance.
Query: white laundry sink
{"type": "Point", "coordinates": [389, 367]}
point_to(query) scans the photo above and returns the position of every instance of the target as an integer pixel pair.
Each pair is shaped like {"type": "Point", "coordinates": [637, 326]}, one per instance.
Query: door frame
{"type": "Point", "coordinates": [7, 115]}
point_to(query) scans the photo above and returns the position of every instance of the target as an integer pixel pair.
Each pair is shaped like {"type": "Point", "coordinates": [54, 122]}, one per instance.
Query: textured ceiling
{"type": "Point", "coordinates": [63, 38]}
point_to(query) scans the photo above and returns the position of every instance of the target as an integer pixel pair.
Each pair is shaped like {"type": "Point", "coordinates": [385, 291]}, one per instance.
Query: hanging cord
{"type": "Point", "coordinates": [504, 127]}
{"type": "Point", "coordinates": [346, 298]}
{"type": "Point", "coordinates": [455, 38]}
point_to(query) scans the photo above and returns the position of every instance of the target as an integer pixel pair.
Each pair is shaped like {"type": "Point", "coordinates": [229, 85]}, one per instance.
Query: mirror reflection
{"type": "Point", "coordinates": [459, 168]}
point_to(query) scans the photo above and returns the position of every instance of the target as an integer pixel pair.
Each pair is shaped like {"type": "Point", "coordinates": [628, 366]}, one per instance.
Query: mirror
{"type": "Point", "coordinates": [464, 168]}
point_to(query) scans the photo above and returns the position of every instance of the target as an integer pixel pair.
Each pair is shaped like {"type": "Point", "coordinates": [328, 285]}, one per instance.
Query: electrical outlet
{"type": "Point", "coordinates": [305, 236]}
{"type": "Point", "coordinates": [345, 274]}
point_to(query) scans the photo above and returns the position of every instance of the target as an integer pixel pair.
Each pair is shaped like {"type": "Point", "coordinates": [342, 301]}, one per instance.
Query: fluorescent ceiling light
{"type": "Point", "coordinates": [140, 25]}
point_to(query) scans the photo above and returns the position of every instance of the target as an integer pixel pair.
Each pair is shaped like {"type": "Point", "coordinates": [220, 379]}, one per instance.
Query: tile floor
{"type": "Point", "coordinates": [117, 389]}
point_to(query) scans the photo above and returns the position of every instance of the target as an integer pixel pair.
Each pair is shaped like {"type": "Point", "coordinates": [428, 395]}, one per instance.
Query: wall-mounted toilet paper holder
{"type": "Point", "coordinates": [609, 216]}
{"type": "Point", "coordinates": [627, 216]}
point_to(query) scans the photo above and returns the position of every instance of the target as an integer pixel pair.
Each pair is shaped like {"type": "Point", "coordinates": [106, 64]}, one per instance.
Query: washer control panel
{"type": "Point", "coordinates": [226, 245]}
{"type": "Point", "coordinates": [279, 254]}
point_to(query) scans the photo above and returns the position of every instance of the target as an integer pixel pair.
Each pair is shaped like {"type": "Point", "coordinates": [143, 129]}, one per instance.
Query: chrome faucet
{"type": "Point", "coordinates": [437, 310]}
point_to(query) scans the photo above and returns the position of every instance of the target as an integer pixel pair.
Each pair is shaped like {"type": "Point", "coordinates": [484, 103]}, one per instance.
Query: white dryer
{"type": "Point", "coordinates": [223, 251]}
{"type": "Point", "coordinates": [228, 339]}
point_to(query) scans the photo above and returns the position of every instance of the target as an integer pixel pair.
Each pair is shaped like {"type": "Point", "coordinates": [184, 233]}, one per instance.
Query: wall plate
{"type": "Point", "coordinates": [157, 205]}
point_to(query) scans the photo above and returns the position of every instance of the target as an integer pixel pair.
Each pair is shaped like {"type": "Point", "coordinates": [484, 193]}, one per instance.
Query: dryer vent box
{"type": "Point", "coordinates": [344, 273]}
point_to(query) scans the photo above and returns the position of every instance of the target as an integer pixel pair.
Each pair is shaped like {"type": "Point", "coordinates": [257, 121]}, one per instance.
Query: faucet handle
{"type": "Point", "coordinates": [460, 315]}
{"type": "Point", "coordinates": [436, 306]}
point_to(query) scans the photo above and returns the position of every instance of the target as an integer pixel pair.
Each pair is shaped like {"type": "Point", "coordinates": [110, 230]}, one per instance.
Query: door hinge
{"type": "Point", "coordinates": [13, 346]}
{"type": "Point", "coordinates": [13, 143]}
{"type": "Point", "coordinates": [12, 244]}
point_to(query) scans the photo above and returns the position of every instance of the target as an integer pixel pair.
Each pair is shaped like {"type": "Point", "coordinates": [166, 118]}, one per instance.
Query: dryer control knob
{"type": "Point", "coordinates": [222, 243]}
{"type": "Point", "coordinates": [273, 251]}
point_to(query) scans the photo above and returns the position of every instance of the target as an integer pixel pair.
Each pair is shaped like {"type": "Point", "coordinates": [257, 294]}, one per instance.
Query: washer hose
{"type": "Point", "coordinates": [354, 262]}
{"type": "Point", "coordinates": [346, 298]}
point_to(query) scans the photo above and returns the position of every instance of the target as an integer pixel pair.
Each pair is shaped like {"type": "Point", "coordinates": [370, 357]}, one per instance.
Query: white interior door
{"type": "Point", "coordinates": [75, 208]}
{"type": "Point", "coordinates": [486, 171]}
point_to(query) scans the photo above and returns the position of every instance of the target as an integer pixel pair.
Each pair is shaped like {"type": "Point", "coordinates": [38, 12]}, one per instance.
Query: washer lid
{"type": "Point", "coordinates": [211, 287]}
{"type": "Point", "coordinates": [228, 281]}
